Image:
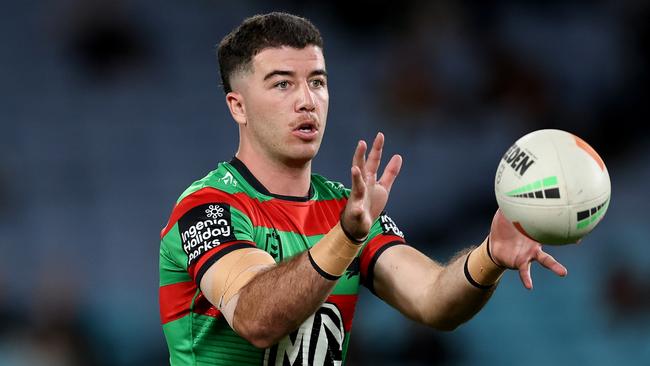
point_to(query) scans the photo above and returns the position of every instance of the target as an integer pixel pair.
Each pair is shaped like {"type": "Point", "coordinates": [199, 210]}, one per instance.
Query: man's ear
{"type": "Point", "coordinates": [235, 102]}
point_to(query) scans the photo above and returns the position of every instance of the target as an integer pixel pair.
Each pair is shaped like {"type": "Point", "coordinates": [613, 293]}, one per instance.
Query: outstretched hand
{"type": "Point", "coordinates": [369, 195]}
{"type": "Point", "coordinates": [513, 250]}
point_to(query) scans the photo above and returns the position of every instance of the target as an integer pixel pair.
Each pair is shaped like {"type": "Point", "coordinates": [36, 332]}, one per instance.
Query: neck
{"type": "Point", "coordinates": [281, 178]}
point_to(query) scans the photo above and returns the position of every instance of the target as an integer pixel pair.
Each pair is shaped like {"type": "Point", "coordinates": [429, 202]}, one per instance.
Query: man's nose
{"type": "Point", "coordinates": [305, 101]}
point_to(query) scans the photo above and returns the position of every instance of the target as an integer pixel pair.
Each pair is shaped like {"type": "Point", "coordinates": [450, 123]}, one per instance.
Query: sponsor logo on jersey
{"type": "Point", "coordinates": [335, 186]}
{"type": "Point", "coordinates": [318, 341]}
{"type": "Point", "coordinates": [228, 179]}
{"type": "Point", "coordinates": [388, 226]}
{"type": "Point", "coordinates": [203, 228]}
{"type": "Point", "coordinates": [518, 159]}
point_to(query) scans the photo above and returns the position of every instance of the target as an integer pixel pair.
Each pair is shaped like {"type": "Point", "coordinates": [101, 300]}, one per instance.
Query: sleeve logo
{"type": "Point", "coordinates": [214, 211]}
{"type": "Point", "coordinates": [388, 226]}
{"type": "Point", "coordinates": [204, 228]}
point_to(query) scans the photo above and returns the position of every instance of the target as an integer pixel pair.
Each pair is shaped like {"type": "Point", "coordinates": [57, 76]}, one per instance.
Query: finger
{"type": "Point", "coordinates": [549, 262]}
{"type": "Point", "coordinates": [374, 157]}
{"type": "Point", "coordinates": [390, 172]}
{"type": "Point", "coordinates": [359, 158]}
{"type": "Point", "coordinates": [358, 186]}
{"type": "Point", "coordinates": [524, 275]}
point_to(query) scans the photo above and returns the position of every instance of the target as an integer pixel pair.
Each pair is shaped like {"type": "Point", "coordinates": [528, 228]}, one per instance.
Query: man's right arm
{"type": "Point", "coordinates": [274, 302]}
{"type": "Point", "coordinates": [262, 301]}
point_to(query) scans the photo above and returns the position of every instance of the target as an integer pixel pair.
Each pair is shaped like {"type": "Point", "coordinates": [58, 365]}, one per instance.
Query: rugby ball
{"type": "Point", "coordinates": [552, 186]}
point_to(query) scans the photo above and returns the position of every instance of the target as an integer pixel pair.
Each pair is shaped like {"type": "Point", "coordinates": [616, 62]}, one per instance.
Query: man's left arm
{"type": "Point", "coordinates": [445, 296]}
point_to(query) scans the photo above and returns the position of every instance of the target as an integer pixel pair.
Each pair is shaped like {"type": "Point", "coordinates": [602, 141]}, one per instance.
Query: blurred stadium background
{"type": "Point", "coordinates": [111, 108]}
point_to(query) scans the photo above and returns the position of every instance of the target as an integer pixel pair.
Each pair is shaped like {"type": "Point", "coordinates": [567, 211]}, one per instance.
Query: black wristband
{"type": "Point", "coordinates": [348, 235]}
{"type": "Point", "coordinates": [471, 280]}
{"type": "Point", "coordinates": [490, 254]}
{"type": "Point", "coordinates": [320, 270]}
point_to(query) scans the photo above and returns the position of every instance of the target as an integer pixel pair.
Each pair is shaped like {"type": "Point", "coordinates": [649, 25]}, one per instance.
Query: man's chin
{"type": "Point", "coordinates": [302, 156]}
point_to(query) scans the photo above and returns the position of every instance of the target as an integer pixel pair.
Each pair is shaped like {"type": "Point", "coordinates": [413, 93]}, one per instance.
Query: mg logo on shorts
{"type": "Point", "coordinates": [318, 341]}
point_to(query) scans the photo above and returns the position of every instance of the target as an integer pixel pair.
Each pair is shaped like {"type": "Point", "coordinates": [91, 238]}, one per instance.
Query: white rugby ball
{"type": "Point", "coordinates": [552, 186]}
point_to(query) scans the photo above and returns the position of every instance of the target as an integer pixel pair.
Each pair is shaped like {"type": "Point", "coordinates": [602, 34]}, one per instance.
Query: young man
{"type": "Point", "coordinates": [261, 260]}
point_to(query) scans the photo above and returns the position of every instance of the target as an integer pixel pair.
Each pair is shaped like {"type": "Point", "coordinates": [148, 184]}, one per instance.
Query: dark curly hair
{"type": "Point", "coordinates": [237, 49]}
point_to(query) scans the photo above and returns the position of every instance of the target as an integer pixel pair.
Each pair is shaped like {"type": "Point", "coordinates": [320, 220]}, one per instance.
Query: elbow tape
{"type": "Point", "coordinates": [232, 273]}
{"type": "Point", "coordinates": [238, 269]}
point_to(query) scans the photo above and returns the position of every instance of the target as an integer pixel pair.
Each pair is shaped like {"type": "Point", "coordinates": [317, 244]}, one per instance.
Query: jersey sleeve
{"type": "Point", "coordinates": [384, 234]}
{"type": "Point", "coordinates": [204, 227]}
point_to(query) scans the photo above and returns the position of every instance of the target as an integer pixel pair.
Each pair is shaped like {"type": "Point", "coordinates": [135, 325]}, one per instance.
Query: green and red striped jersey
{"type": "Point", "coordinates": [228, 210]}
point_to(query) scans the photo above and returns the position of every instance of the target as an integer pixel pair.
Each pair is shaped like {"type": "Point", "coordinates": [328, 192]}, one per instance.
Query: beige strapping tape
{"type": "Point", "coordinates": [236, 269]}
{"type": "Point", "coordinates": [334, 252]}
{"type": "Point", "coordinates": [482, 269]}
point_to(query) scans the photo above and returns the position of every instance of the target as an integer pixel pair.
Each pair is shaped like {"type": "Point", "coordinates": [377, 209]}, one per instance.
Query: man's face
{"type": "Point", "coordinates": [285, 100]}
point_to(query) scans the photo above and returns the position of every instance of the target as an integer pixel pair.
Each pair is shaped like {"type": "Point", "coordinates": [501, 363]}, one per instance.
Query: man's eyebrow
{"type": "Point", "coordinates": [291, 73]}
{"type": "Point", "coordinates": [278, 72]}
{"type": "Point", "coordinates": [318, 72]}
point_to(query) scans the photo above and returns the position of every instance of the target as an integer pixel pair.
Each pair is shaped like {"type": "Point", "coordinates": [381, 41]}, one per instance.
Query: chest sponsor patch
{"type": "Point", "coordinates": [388, 226]}
{"type": "Point", "coordinates": [203, 228]}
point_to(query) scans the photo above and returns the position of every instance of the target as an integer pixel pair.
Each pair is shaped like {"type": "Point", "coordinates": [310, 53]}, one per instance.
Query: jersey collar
{"type": "Point", "coordinates": [250, 178]}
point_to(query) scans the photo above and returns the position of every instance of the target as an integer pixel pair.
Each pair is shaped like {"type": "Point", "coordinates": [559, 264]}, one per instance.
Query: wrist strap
{"type": "Point", "coordinates": [347, 233]}
{"type": "Point", "coordinates": [480, 269]}
{"type": "Point", "coordinates": [320, 270]}
{"type": "Point", "coordinates": [471, 280]}
{"type": "Point", "coordinates": [333, 253]}
{"type": "Point", "coordinates": [490, 254]}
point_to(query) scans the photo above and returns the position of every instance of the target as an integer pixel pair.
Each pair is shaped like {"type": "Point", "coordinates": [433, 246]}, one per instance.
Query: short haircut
{"type": "Point", "coordinates": [237, 49]}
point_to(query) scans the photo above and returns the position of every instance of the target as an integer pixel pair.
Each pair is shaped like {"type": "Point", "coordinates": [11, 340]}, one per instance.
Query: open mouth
{"type": "Point", "coordinates": [306, 127]}
{"type": "Point", "coordinates": [306, 130]}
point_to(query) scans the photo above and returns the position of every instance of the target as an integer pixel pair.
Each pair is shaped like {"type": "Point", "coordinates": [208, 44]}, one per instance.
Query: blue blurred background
{"type": "Point", "coordinates": [111, 108]}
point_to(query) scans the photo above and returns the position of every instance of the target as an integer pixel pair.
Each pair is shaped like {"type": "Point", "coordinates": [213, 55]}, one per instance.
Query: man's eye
{"type": "Point", "coordinates": [282, 84]}
{"type": "Point", "coordinates": [317, 83]}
